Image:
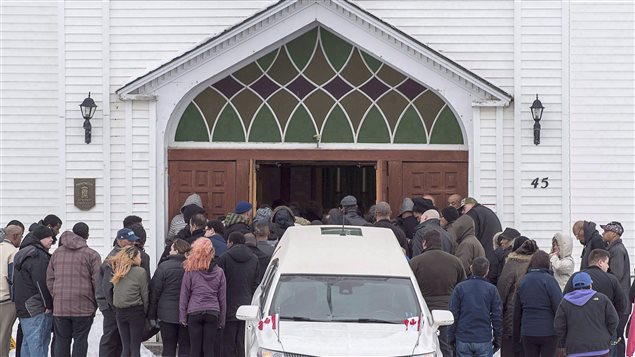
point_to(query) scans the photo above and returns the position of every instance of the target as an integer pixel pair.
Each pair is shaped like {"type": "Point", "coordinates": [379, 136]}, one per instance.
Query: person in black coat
{"type": "Point", "coordinates": [589, 237]}
{"type": "Point", "coordinates": [165, 290]}
{"type": "Point", "coordinates": [33, 301]}
{"type": "Point", "coordinates": [603, 282]}
{"type": "Point", "coordinates": [586, 320]}
{"type": "Point", "coordinates": [486, 224]}
{"type": "Point", "coordinates": [196, 227]}
{"type": "Point", "coordinates": [407, 221]}
{"type": "Point", "coordinates": [241, 273]}
{"type": "Point", "coordinates": [502, 245]}
{"type": "Point", "coordinates": [382, 219]}
{"type": "Point", "coordinates": [536, 303]}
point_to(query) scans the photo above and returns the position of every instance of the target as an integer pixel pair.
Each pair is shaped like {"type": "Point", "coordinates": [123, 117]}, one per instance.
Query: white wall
{"type": "Point", "coordinates": [602, 115]}
{"type": "Point", "coordinates": [31, 127]}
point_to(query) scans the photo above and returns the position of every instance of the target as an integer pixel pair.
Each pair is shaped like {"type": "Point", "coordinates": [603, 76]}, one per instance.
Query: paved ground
{"type": "Point", "coordinates": [93, 339]}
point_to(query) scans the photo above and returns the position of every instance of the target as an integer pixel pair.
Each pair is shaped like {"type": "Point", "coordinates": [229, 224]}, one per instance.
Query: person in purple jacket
{"type": "Point", "coordinates": [202, 303]}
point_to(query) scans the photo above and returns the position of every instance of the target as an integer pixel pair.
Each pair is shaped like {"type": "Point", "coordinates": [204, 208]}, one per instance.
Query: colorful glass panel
{"type": "Point", "coordinates": [319, 83]}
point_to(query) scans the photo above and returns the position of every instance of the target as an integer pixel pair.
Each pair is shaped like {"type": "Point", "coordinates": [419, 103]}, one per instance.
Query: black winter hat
{"type": "Point", "coordinates": [518, 242]}
{"type": "Point", "coordinates": [450, 214]}
{"type": "Point", "coordinates": [81, 229]}
{"type": "Point", "coordinates": [422, 204]}
{"type": "Point", "coordinates": [40, 232]}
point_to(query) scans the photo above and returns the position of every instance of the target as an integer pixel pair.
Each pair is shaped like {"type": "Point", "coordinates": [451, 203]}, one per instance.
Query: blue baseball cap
{"type": "Point", "coordinates": [582, 280]}
{"type": "Point", "coordinates": [128, 234]}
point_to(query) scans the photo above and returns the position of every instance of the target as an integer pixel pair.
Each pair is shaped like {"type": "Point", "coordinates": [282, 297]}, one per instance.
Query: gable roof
{"type": "Point", "coordinates": [272, 13]}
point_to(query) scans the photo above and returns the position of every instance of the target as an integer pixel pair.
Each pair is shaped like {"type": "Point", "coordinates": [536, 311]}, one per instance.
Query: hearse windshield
{"type": "Point", "coordinates": [361, 299]}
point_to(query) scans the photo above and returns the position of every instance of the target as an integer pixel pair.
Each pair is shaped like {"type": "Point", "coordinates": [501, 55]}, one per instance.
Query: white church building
{"type": "Point", "coordinates": [316, 99]}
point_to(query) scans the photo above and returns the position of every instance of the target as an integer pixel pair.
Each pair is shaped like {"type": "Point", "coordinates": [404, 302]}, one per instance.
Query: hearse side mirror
{"type": "Point", "coordinates": [441, 318]}
{"type": "Point", "coordinates": [248, 313]}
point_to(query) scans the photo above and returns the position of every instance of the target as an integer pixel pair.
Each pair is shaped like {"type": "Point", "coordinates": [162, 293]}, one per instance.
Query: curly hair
{"type": "Point", "coordinates": [123, 262]}
{"type": "Point", "coordinates": [200, 256]}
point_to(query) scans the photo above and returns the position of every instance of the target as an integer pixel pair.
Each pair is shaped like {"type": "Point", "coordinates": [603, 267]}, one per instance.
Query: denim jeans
{"type": "Point", "coordinates": [471, 349]}
{"type": "Point", "coordinates": [37, 335]}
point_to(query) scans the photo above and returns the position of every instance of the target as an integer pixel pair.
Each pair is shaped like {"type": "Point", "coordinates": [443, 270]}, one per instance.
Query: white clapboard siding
{"type": "Point", "coordinates": [83, 68]}
{"type": "Point", "coordinates": [602, 116]}
{"type": "Point", "coordinates": [540, 52]}
{"type": "Point", "coordinates": [476, 34]}
{"type": "Point", "coordinates": [487, 147]}
{"type": "Point", "coordinates": [30, 166]}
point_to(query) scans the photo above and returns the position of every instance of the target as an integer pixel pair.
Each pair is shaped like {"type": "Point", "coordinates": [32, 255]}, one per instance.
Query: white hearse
{"type": "Point", "coordinates": [340, 291]}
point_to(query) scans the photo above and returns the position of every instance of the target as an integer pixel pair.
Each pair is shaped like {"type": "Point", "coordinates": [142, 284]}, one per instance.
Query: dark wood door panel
{"type": "Point", "coordinates": [214, 181]}
{"type": "Point", "coordinates": [439, 180]}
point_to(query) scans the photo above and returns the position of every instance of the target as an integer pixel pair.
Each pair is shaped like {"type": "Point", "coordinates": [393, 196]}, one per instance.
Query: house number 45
{"type": "Point", "coordinates": [544, 183]}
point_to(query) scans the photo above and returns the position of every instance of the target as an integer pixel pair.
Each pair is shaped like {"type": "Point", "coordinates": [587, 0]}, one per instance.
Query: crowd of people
{"type": "Point", "coordinates": [503, 290]}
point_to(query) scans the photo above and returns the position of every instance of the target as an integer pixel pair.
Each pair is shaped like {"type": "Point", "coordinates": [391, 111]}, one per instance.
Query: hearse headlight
{"type": "Point", "coordinates": [263, 352]}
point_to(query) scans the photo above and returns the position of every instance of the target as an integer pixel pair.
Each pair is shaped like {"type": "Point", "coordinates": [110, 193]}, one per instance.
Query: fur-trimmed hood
{"type": "Point", "coordinates": [565, 243]}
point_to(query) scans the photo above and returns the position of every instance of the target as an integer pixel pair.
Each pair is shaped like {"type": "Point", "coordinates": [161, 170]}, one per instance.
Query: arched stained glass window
{"type": "Point", "coordinates": [319, 83]}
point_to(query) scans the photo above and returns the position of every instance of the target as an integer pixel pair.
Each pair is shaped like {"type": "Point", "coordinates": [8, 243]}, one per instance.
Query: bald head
{"type": "Point", "coordinates": [578, 230]}
{"type": "Point", "coordinates": [455, 200]}
{"type": "Point", "coordinates": [14, 233]}
{"type": "Point", "coordinates": [430, 214]}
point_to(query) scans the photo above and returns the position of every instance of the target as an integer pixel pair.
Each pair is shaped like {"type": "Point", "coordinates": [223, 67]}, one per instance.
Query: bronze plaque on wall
{"type": "Point", "coordinates": [84, 193]}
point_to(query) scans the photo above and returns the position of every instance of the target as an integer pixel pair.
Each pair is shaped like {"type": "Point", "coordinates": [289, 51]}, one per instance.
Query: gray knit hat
{"type": "Point", "coordinates": [406, 206]}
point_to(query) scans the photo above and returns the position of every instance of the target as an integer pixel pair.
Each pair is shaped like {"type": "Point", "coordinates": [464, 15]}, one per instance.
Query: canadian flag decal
{"type": "Point", "coordinates": [270, 322]}
{"type": "Point", "coordinates": [413, 324]}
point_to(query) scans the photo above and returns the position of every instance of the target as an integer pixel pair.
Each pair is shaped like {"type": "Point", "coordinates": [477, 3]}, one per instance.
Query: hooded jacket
{"type": "Point", "coordinates": [165, 290]}
{"type": "Point", "coordinates": [562, 263]}
{"type": "Point", "coordinates": [430, 225]}
{"type": "Point", "coordinates": [281, 219]}
{"type": "Point", "coordinates": [241, 273]}
{"type": "Point", "coordinates": [514, 269]}
{"type": "Point", "coordinates": [585, 322]}
{"type": "Point", "coordinates": [352, 218]}
{"type": "Point", "coordinates": [605, 283]}
{"type": "Point", "coordinates": [536, 303]}
{"type": "Point", "coordinates": [72, 277]}
{"type": "Point", "coordinates": [468, 247]}
{"type": "Point", "coordinates": [486, 224]}
{"type": "Point", "coordinates": [437, 273]}
{"type": "Point", "coordinates": [398, 232]}
{"type": "Point", "coordinates": [592, 240]}
{"type": "Point", "coordinates": [31, 295]}
{"type": "Point", "coordinates": [409, 225]}
{"type": "Point", "coordinates": [204, 291]}
{"type": "Point", "coordinates": [178, 222]}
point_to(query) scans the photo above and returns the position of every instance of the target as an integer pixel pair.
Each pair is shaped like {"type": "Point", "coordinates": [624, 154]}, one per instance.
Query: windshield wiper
{"type": "Point", "coordinates": [368, 320]}
{"type": "Point", "coordinates": [299, 318]}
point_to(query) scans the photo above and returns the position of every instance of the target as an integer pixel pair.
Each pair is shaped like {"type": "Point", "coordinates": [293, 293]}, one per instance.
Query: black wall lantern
{"type": "Point", "coordinates": [88, 108]}
{"type": "Point", "coordinates": [536, 113]}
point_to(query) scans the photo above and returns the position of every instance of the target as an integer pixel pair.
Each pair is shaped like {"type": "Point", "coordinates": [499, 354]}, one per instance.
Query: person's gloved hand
{"type": "Point", "coordinates": [561, 352]}
{"type": "Point", "coordinates": [496, 343]}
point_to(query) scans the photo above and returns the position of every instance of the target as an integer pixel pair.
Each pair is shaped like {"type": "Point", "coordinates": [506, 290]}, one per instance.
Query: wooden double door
{"type": "Point", "coordinates": [223, 177]}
